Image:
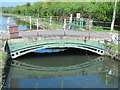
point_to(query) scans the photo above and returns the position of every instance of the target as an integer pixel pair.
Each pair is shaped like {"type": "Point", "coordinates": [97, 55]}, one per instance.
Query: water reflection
{"type": "Point", "coordinates": [71, 75]}
{"type": "Point", "coordinates": [12, 21]}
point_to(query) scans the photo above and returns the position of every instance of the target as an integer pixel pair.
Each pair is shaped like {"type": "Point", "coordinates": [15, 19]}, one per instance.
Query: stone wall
{"type": "Point", "coordinates": [113, 54]}
{"type": "Point", "coordinates": [2, 63]}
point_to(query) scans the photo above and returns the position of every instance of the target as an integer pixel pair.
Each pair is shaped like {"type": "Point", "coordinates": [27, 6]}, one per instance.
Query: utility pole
{"type": "Point", "coordinates": [113, 19]}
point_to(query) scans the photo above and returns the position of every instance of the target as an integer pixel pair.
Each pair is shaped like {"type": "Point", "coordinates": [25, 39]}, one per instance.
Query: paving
{"type": "Point", "coordinates": [61, 32]}
{"type": "Point", "coordinates": [48, 32]}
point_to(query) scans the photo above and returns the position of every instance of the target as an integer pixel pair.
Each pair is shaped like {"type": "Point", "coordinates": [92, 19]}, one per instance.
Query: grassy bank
{"type": "Point", "coordinates": [114, 47]}
{"type": "Point", "coordinates": [104, 30]}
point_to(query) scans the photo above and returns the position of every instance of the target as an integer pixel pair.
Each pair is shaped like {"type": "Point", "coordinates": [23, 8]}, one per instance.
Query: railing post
{"type": "Point", "coordinates": [8, 23]}
{"type": "Point", "coordinates": [64, 26]}
{"type": "Point", "coordinates": [90, 27]}
{"type": "Point", "coordinates": [50, 21]}
{"type": "Point", "coordinates": [8, 26]}
{"type": "Point", "coordinates": [30, 21]}
{"type": "Point", "coordinates": [87, 24]}
{"type": "Point", "coordinates": [37, 25]}
{"type": "Point", "coordinates": [70, 22]}
{"type": "Point", "coordinates": [70, 18]}
{"type": "Point", "coordinates": [81, 23]}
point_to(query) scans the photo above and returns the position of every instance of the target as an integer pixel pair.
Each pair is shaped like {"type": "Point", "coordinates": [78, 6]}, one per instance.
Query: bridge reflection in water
{"type": "Point", "coordinates": [92, 72]}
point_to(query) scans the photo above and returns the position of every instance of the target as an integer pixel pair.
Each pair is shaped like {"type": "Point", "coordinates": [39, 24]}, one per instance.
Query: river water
{"type": "Point", "coordinates": [69, 68]}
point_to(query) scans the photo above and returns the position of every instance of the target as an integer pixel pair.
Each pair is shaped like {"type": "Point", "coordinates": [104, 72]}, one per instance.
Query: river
{"type": "Point", "coordinates": [69, 68]}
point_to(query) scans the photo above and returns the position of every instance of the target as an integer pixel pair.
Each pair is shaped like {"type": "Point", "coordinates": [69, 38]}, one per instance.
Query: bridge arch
{"type": "Point", "coordinates": [21, 48]}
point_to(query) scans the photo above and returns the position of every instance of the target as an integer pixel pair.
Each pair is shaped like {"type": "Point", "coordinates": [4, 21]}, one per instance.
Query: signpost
{"type": "Point", "coordinates": [78, 15]}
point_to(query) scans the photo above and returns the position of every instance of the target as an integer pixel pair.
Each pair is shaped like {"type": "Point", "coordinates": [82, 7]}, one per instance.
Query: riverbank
{"type": "Point", "coordinates": [113, 51]}
{"type": "Point", "coordinates": [2, 64]}
{"type": "Point", "coordinates": [115, 55]}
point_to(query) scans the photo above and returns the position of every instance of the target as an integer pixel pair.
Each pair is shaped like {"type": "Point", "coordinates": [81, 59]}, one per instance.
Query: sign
{"type": "Point", "coordinates": [78, 15]}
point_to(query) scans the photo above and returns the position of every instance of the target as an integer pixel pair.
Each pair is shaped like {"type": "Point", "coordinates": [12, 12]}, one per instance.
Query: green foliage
{"type": "Point", "coordinates": [96, 10]}
{"type": "Point", "coordinates": [105, 41]}
{"type": "Point", "coordinates": [104, 30]}
{"type": "Point", "coordinates": [114, 47]}
{"type": "Point", "coordinates": [1, 44]}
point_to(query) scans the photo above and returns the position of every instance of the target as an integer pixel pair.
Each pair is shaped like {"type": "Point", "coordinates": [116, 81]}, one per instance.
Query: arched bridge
{"type": "Point", "coordinates": [26, 44]}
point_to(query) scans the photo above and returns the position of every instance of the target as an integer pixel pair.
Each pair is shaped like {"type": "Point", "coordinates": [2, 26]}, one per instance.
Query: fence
{"type": "Point", "coordinates": [56, 23]}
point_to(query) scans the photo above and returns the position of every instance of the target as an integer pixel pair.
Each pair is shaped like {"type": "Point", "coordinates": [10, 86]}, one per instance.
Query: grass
{"type": "Point", "coordinates": [104, 30]}
{"type": "Point", "coordinates": [4, 55]}
{"type": "Point", "coordinates": [1, 44]}
{"type": "Point", "coordinates": [114, 47]}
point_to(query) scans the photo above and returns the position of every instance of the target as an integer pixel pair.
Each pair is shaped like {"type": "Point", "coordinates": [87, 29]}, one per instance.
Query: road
{"type": "Point", "coordinates": [59, 32]}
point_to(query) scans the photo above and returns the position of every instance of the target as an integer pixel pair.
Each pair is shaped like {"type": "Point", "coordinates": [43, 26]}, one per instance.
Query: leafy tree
{"type": "Point", "coordinates": [96, 10]}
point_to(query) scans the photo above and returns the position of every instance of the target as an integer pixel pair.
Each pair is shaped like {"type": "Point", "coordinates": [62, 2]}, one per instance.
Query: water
{"type": "Point", "coordinates": [12, 22]}
{"type": "Point", "coordinates": [63, 71]}
{"type": "Point", "coordinates": [72, 68]}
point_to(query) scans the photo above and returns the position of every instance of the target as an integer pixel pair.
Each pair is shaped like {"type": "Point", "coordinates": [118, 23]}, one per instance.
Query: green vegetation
{"type": "Point", "coordinates": [102, 11]}
{"type": "Point", "coordinates": [1, 44]}
{"type": "Point", "coordinates": [111, 45]}
{"type": "Point", "coordinates": [94, 10]}
{"type": "Point", "coordinates": [114, 47]}
{"type": "Point", "coordinates": [4, 55]}
{"type": "Point", "coordinates": [104, 30]}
